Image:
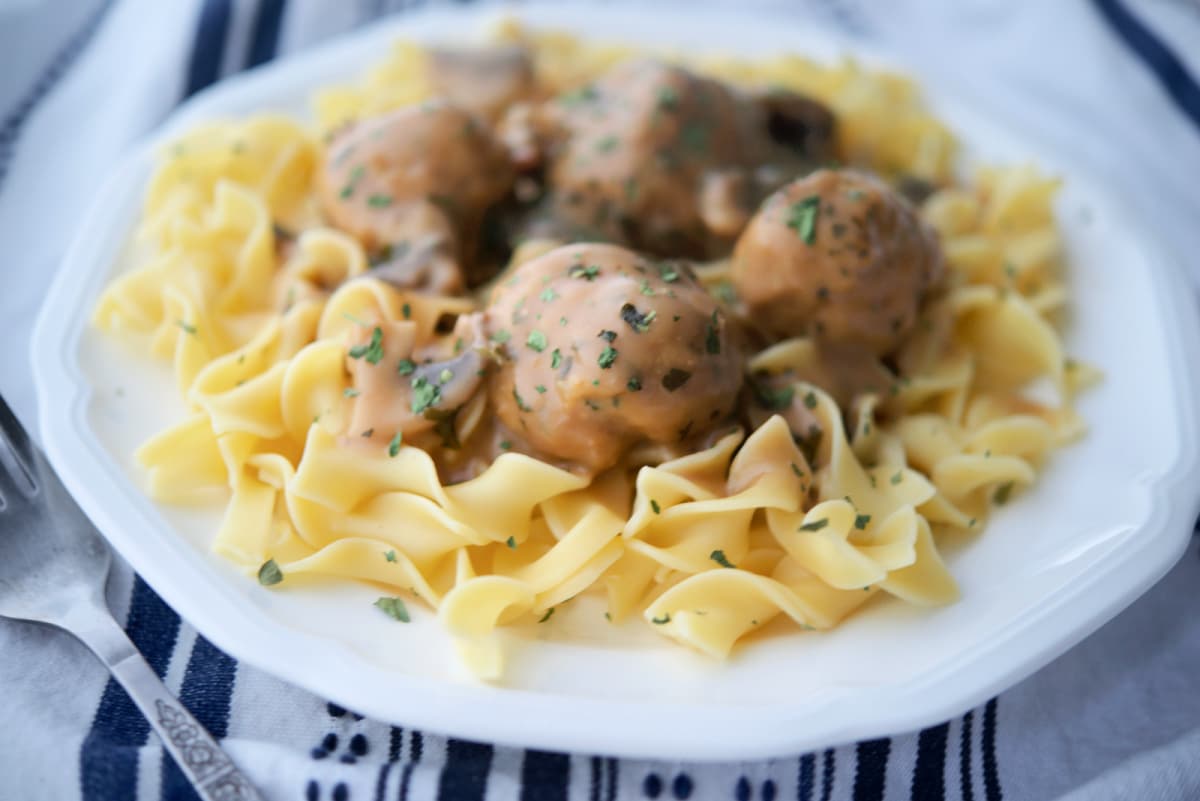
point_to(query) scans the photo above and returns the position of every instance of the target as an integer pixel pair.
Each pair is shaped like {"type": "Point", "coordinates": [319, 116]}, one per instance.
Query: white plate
{"type": "Point", "coordinates": [1108, 518]}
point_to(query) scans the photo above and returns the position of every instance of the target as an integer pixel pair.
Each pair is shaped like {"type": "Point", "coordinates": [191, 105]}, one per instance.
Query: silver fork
{"type": "Point", "coordinates": [53, 568]}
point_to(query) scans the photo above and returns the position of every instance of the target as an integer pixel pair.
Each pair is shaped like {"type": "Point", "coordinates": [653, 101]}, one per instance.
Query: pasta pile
{"type": "Point", "coordinates": [706, 548]}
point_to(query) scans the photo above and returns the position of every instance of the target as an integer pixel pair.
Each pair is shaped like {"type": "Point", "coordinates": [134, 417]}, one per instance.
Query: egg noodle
{"type": "Point", "coordinates": [706, 548]}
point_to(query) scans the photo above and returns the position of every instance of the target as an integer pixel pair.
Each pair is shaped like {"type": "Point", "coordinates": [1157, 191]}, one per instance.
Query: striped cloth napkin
{"type": "Point", "coordinates": [1117, 717]}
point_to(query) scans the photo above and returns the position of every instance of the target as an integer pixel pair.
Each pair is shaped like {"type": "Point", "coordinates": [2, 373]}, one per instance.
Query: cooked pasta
{"type": "Point", "coordinates": [724, 451]}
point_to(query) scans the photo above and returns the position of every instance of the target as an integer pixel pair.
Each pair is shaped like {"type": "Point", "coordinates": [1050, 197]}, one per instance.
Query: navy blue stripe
{"type": "Point", "coordinates": [465, 774]}
{"type": "Point", "coordinates": [613, 768]}
{"type": "Point", "coordinates": [416, 745]}
{"type": "Point", "coordinates": [208, 47]}
{"type": "Point", "coordinates": [207, 691]}
{"type": "Point", "coordinates": [395, 742]}
{"type": "Point", "coordinates": [871, 769]}
{"type": "Point", "coordinates": [108, 759]}
{"type": "Point", "coordinates": [594, 787]}
{"type": "Point", "coordinates": [405, 778]}
{"type": "Point", "coordinates": [964, 759]}
{"type": "Point", "coordinates": [264, 37]}
{"type": "Point", "coordinates": [60, 64]}
{"type": "Point", "coordinates": [381, 781]}
{"type": "Point", "coordinates": [806, 780]}
{"type": "Point", "coordinates": [827, 776]}
{"type": "Point", "coordinates": [991, 774]}
{"type": "Point", "coordinates": [1172, 74]}
{"type": "Point", "coordinates": [545, 776]}
{"type": "Point", "coordinates": [929, 774]}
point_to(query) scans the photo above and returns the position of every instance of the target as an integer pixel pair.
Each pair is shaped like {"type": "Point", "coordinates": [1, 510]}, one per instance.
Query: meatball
{"type": "Point", "coordinates": [413, 185]}
{"type": "Point", "coordinates": [658, 158]}
{"type": "Point", "coordinates": [606, 349]}
{"type": "Point", "coordinates": [838, 256]}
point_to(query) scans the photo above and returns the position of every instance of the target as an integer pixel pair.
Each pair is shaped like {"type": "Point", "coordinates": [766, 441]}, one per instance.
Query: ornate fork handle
{"type": "Point", "coordinates": [211, 772]}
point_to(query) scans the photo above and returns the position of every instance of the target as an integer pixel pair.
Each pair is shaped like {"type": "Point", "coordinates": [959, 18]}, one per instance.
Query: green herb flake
{"type": "Point", "coordinates": [406, 311]}
{"type": "Point", "coordinates": [860, 521]}
{"type": "Point", "coordinates": [394, 445]}
{"type": "Point", "coordinates": [511, 542]}
{"type": "Point", "coordinates": [424, 395]}
{"type": "Point", "coordinates": [555, 359]}
{"type": "Point", "coordinates": [379, 201]}
{"type": "Point", "coordinates": [372, 351]}
{"type": "Point", "coordinates": [668, 98]}
{"type": "Point", "coordinates": [505, 445]}
{"type": "Point", "coordinates": [668, 272]}
{"type": "Point", "coordinates": [548, 295]}
{"type": "Point", "coordinates": [521, 401]}
{"type": "Point", "coordinates": [659, 621]}
{"type": "Point", "coordinates": [536, 341]}
{"type": "Point", "coordinates": [607, 144]}
{"type": "Point", "coordinates": [588, 273]}
{"type": "Point", "coordinates": [634, 384]}
{"type": "Point", "coordinates": [541, 389]}
{"type": "Point", "coordinates": [810, 400]}
{"type": "Point", "coordinates": [187, 328]}
{"type": "Point", "coordinates": [797, 471]}
{"type": "Point", "coordinates": [393, 608]}
{"type": "Point", "coordinates": [718, 556]}
{"type": "Point", "coordinates": [446, 376]}
{"type": "Point", "coordinates": [406, 367]}
{"type": "Point", "coordinates": [897, 477]}
{"type": "Point", "coordinates": [712, 338]}
{"type": "Point", "coordinates": [638, 322]}
{"type": "Point", "coordinates": [1002, 493]}
{"type": "Point", "coordinates": [269, 574]}
{"type": "Point", "coordinates": [389, 556]}
{"type": "Point", "coordinates": [546, 616]}
{"type": "Point", "coordinates": [607, 357]}
{"type": "Point", "coordinates": [803, 218]}
{"type": "Point", "coordinates": [654, 505]}
{"type": "Point", "coordinates": [775, 399]}
{"type": "Point", "coordinates": [501, 336]}
{"type": "Point", "coordinates": [816, 525]}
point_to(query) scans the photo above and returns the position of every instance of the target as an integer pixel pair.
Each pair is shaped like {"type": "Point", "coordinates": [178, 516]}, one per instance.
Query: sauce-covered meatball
{"type": "Point", "coordinates": [661, 159]}
{"type": "Point", "coordinates": [605, 349]}
{"type": "Point", "coordinates": [413, 185]}
{"type": "Point", "coordinates": [838, 256]}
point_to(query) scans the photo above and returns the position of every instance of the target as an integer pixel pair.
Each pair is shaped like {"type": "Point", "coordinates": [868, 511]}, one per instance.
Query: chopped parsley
{"type": "Point", "coordinates": [668, 98]}
{"type": "Point", "coordinates": [379, 201]}
{"type": "Point", "coordinates": [584, 94]}
{"type": "Point", "coordinates": [588, 273]}
{"type": "Point", "coordinates": [810, 400]}
{"type": "Point", "coordinates": [350, 392]}
{"type": "Point", "coordinates": [897, 477]}
{"type": "Point", "coordinates": [269, 574]}
{"type": "Point", "coordinates": [776, 399]}
{"type": "Point", "coordinates": [393, 608]}
{"type": "Point", "coordinates": [646, 289]}
{"type": "Point", "coordinates": [694, 136]}
{"type": "Point", "coordinates": [373, 351]}
{"type": "Point", "coordinates": [555, 359]}
{"type": "Point", "coordinates": [505, 445]}
{"type": "Point", "coordinates": [797, 471]}
{"type": "Point", "coordinates": [607, 335]}
{"type": "Point", "coordinates": [654, 505]}
{"type": "Point", "coordinates": [406, 311]}
{"type": "Point", "coordinates": [424, 395]}
{"type": "Point", "coordinates": [389, 555]}
{"type": "Point", "coordinates": [718, 556]}
{"type": "Point", "coordinates": [445, 376]}
{"type": "Point", "coordinates": [548, 295]}
{"type": "Point", "coordinates": [541, 389]}
{"type": "Point", "coordinates": [816, 525]}
{"type": "Point", "coordinates": [536, 341]}
{"type": "Point", "coordinates": [521, 401]}
{"type": "Point", "coordinates": [634, 384]}
{"type": "Point", "coordinates": [607, 144]}
{"type": "Point", "coordinates": [607, 357]}
{"type": "Point", "coordinates": [1002, 493]}
{"type": "Point", "coordinates": [511, 542]}
{"type": "Point", "coordinates": [712, 339]}
{"type": "Point", "coordinates": [406, 367]}
{"type": "Point", "coordinates": [860, 521]}
{"type": "Point", "coordinates": [668, 272]}
{"type": "Point", "coordinates": [638, 322]}
{"type": "Point", "coordinates": [394, 445]}
{"type": "Point", "coordinates": [501, 336]}
{"type": "Point", "coordinates": [803, 218]}
{"type": "Point", "coordinates": [658, 621]}
{"type": "Point", "coordinates": [675, 378]}
{"type": "Point", "coordinates": [546, 616]}
{"type": "Point", "coordinates": [187, 328]}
